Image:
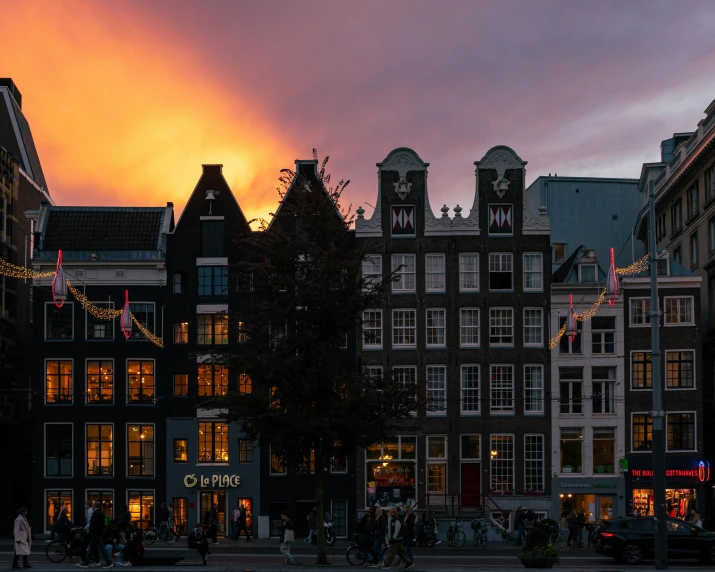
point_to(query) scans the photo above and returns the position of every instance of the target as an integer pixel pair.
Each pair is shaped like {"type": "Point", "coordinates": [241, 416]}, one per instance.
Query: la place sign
{"type": "Point", "coordinates": [214, 481]}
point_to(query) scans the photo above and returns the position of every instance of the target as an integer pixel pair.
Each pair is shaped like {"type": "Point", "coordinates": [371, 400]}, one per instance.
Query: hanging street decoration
{"type": "Point", "coordinates": [612, 282]}
{"type": "Point", "coordinates": [571, 321]}
{"type": "Point", "coordinates": [126, 317]}
{"type": "Point", "coordinates": [59, 283]}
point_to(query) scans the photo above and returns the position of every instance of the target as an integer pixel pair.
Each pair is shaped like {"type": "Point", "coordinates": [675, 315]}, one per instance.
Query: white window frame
{"type": "Point", "coordinates": [695, 432]}
{"type": "Point", "coordinates": [401, 269]}
{"type": "Point", "coordinates": [462, 389]}
{"type": "Point", "coordinates": [47, 304]}
{"type": "Point", "coordinates": [466, 328]}
{"type": "Point", "coordinates": [375, 343]}
{"type": "Point", "coordinates": [374, 261]}
{"type": "Point", "coordinates": [476, 459]}
{"type": "Point", "coordinates": [101, 304]}
{"type": "Point", "coordinates": [59, 490]}
{"type": "Point", "coordinates": [432, 275]}
{"type": "Point", "coordinates": [142, 337]}
{"type": "Point", "coordinates": [603, 333]}
{"type": "Point", "coordinates": [539, 273]}
{"type": "Point", "coordinates": [583, 450]}
{"type": "Point", "coordinates": [126, 382]}
{"type": "Point", "coordinates": [430, 314]}
{"type": "Point", "coordinates": [85, 472]}
{"type": "Point", "coordinates": [86, 381]}
{"type": "Point", "coordinates": [542, 459]}
{"type": "Point", "coordinates": [413, 327]}
{"type": "Point", "coordinates": [632, 305]}
{"type": "Point", "coordinates": [495, 344]}
{"type": "Point", "coordinates": [44, 447]}
{"type": "Point", "coordinates": [665, 370]}
{"type": "Point", "coordinates": [412, 368]}
{"type": "Point", "coordinates": [446, 448]}
{"type": "Point", "coordinates": [502, 258]}
{"type": "Point", "coordinates": [436, 390]}
{"type": "Point", "coordinates": [610, 381]}
{"type": "Point", "coordinates": [678, 300]}
{"type": "Point", "coordinates": [464, 274]}
{"type": "Point", "coordinates": [647, 414]}
{"type": "Point", "coordinates": [44, 376]}
{"type": "Point", "coordinates": [630, 375]}
{"type": "Point", "coordinates": [374, 370]}
{"type": "Point", "coordinates": [126, 451]}
{"type": "Point", "coordinates": [496, 458]}
{"type": "Point", "coordinates": [595, 271]}
{"type": "Point", "coordinates": [436, 461]}
{"type": "Point", "coordinates": [506, 410]}
{"type": "Point", "coordinates": [540, 328]}
{"type": "Point", "coordinates": [535, 412]}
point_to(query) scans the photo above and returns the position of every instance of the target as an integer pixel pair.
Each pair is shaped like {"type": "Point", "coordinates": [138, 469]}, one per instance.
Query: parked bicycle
{"type": "Point", "coordinates": [163, 534]}
{"type": "Point", "coordinates": [455, 535]}
{"type": "Point", "coordinates": [480, 528]}
{"type": "Point", "coordinates": [592, 529]}
{"type": "Point", "coordinates": [554, 531]}
{"type": "Point", "coordinates": [69, 547]}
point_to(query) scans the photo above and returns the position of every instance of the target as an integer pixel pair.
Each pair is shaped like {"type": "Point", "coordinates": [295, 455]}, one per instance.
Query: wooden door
{"type": "Point", "coordinates": [471, 484]}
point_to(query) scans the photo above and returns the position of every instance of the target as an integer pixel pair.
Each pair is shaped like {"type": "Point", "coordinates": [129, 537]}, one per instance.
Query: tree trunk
{"type": "Point", "coordinates": [320, 508]}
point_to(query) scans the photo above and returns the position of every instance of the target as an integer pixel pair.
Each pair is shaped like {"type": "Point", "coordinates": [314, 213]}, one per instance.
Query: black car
{"type": "Point", "coordinates": [633, 540]}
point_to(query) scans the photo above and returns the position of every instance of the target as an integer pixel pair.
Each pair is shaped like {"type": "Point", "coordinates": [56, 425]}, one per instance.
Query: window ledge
{"type": "Point", "coordinates": [692, 218]}
{"type": "Point", "coordinates": [676, 233]}
{"type": "Point", "coordinates": [204, 464]}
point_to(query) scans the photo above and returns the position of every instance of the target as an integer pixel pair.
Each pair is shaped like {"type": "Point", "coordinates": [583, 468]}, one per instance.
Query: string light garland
{"type": "Point", "coordinates": [640, 265]}
{"type": "Point", "coordinates": [151, 337]}
{"type": "Point", "coordinates": [14, 271]}
{"type": "Point", "coordinates": [591, 312]}
{"type": "Point", "coordinates": [553, 342]}
{"type": "Point", "coordinates": [96, 311]}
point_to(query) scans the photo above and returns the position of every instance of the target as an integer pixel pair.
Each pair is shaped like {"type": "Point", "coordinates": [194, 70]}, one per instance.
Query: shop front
{"type": "Point", "coordinates": [194, 485]}
{"type": "Point", "coordinates": [598, 498]}
{"type": "Point", "coordinates": [685, 481]}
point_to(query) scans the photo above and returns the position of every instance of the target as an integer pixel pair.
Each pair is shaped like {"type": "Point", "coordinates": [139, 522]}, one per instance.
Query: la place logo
{"type": "Point", "coordinates": [190, 481]}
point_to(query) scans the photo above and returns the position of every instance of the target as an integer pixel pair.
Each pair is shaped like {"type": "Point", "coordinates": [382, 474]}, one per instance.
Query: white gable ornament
{"type": "Point", "coordinates": [402, 163]}
{"type": "Point", "coordinates": [501, 161]}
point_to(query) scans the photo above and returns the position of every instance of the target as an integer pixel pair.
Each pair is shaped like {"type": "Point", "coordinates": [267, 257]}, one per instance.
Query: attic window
{"type": "Point", "coordinates": [587, 273]}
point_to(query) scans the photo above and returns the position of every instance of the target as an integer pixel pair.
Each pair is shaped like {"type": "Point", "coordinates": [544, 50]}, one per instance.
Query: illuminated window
{"type": "Point", "coordinates": [59, 322]}
{"type": "Point", "coordinates": [181, 450]}
{"type": "Point", "coordinates": [641, 370]}
{"type": "Point", "coordinates": [212, 329]}
{"type": "Point", "coordinates": [105, 499]}
{"type": "Point", "coordinates": [140, 374]}
{"type": "Point", "coordinates": [100, 381]}
{"type": "Point", "coordinates": [55, 500]}
{"type": "Point", "coordinates": [642, 430]}
{"type": "Point", "coordinates": [245, 451]}
{"type": "Point", "coordinates": [306, 468]}
{"type": "Point", "coordinates": [100, 450]}
{"type": "Point", "coordinates": [502, 462]}
{"type": "Point", "coordinates": [213, 380]}
{"type": "Point", "coordinates": [181, 384]}
{"type": "Point", "coordinates": [144, 313]}
{"type": "Point", "coordinates": [678, 311]}
{"type": "Point", "coordinates": [181, 515]}
{"type": "Point", "coordinates": [140, 453]}
{"type": "Point", "coordinates": [680, 368]}
{"type": "Point", "coordinates": [213, 442]}
{"type": "Point", "coordinates": [242, 333]}
{"type": "Point", "coordinates": [98, 329]}
{"type": "Point", "coordinates": [141, 507]}
{"type": "Point", "coordinates": [277, 464]}
{"type": "Point", "coordinates": [181, 332]}
{"type": "Point", "coordinates": [338, 459]}
{"type": "Point", "coordinates": [245, 384]}
{"type": "Point", "coordinates": [571, 450]}
{"type": "Point", "coordinates": [58, 381]}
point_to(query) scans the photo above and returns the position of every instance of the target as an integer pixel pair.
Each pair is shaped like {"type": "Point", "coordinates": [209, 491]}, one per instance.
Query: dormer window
{"type": "Point", "coordinates": [587, 273]}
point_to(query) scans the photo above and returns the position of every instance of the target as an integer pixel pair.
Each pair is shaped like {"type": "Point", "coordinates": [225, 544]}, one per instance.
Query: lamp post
{"type": "Point", "coordinates": [658, 415]}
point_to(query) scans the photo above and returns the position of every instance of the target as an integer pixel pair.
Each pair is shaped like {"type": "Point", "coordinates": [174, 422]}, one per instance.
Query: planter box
{"type": "Point", "coordinates": [509, 493]}
{"type": "Point", "coordinates": [495, 493]}
{"type": "Point", "coordinates": [535, 494]}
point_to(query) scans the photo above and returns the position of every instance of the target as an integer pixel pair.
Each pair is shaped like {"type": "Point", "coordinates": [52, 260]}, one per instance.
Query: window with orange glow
{"type": "Point", "coordinates": [100, 381]}
{"type": "Point", "coordinates": [141, 508]}
{"type": "Point", "coordinates": [181, 384]}
{"type": "Point", "coordinates": [140, 452]}
{"type": "Point", "coordinates": [100, 450]}
{"type": "Point", "coordinates": [212, 329]}
{"type": "Point", "coordinates": [213, 380]}
{"type": "Point", "coordinates": [58, 385]}
{"type": "Point", "coordinates": [245, 384]}
{"type": "Point", "coordinates": [181, 332]}
{"type": "Point", "coordinates": [140, 386]}
{"type": "Point", "coordinates": [213, 442]}
{"type": "Point", "coordinates": [181, 450]}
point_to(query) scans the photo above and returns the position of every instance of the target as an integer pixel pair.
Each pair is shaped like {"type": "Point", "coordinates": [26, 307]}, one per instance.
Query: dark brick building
{"type": "Point", "coordinates": [681, 380]}
{"type": "Point", "coordinates": [466, 324]}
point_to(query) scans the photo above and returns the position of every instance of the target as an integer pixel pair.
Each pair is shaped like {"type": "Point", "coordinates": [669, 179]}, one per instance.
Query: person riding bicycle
{"type": "Point", "coordinates": [365, 530]}
{"type": "Point", "coordinates": [63, 525]}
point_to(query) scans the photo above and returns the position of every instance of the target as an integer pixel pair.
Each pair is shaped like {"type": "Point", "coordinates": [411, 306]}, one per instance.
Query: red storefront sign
{"type": "Point", "coordinates": [702, 473]}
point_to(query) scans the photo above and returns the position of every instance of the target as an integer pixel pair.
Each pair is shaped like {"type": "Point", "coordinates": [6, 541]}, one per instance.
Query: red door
{"type": "Point", "coordinates": [471, 484]}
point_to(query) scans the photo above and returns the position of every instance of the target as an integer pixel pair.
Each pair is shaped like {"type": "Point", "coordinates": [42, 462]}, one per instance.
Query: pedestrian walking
{"type": "Point", "coordinates": [397, 547]}
{"type": "Point", "coordinates": [313, 524]}
{"type": "Point", "coordinates": [379, 535]}
{"type": "Point", "coordinates": [519, 525]}
{"type": "Point", "coordinates": [410, 520]}
{"type": "Point", "coordinates": [243, 522]}
{"type": "Point", "coordinates": [234, 523]}
{"type": "Point", "coordinates": [212, 532]}
{"type": "Point", "coordinates": [365, 534]}
{"type": "Point", "coordinates": [287, 537]}
{"type": "Point", "coordinates": [198, 541]}
{"type": "Point", "coordinates": [23, 540]}
{"type": "Point", "coordinates": [96, 541]}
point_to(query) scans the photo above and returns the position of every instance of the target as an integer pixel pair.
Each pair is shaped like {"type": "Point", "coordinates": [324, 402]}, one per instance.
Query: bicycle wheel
{"type": "Point", "coordinates": [356, 555]}
{"type": "Point", "coordinates": [56, 551]}
{"type": "Point", "coordinates": [483, 539]}
{"type": "Point", "coordinates": [459, 539]}
{"type": "Point", "coordinates": [169, 538]}
{"type": "Point", "coordinates": [557, 539]}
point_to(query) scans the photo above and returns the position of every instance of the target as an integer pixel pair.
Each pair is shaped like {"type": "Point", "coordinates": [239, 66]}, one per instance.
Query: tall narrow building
{"type": "Point", "coordinates": [465, 323]}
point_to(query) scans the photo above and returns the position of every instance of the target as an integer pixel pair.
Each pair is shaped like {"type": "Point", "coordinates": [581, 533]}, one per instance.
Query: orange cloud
{"type": "Point", "coordinates": [123, 113]}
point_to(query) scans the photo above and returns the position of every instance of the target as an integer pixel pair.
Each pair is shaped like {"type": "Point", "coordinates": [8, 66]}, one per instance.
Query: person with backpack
{"type": "Point", "coordinates": [397, 539]}
{"type": "Point", "coordinates": [197, 541]}
{"type": "Point", "coordinates": [287, 537]}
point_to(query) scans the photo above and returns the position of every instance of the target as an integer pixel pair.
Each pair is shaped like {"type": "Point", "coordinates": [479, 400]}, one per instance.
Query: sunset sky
{"type": "Point", "coordinates": [127, 99]}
